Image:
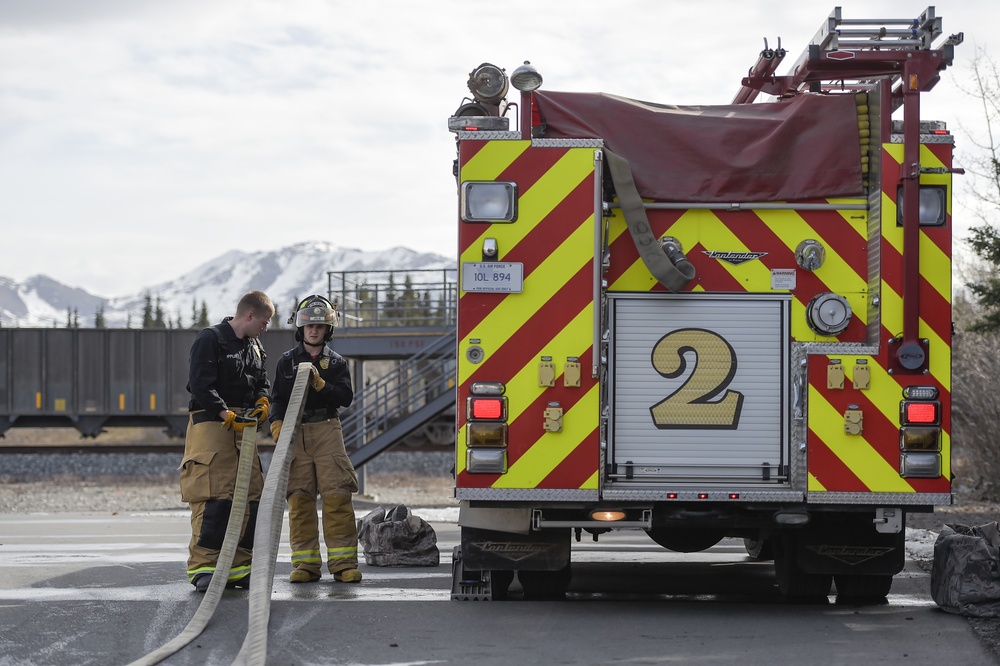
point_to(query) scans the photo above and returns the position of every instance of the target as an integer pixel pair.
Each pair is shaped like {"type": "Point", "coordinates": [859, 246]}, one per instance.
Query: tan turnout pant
{"type": "Point", "coordinates": [320, 465]}
{"type": "Point", "coordinates": [208, 478]}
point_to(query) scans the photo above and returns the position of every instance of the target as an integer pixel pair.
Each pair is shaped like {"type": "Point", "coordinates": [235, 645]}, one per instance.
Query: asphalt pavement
{"type": "Point", "coordinates": [89, 588]}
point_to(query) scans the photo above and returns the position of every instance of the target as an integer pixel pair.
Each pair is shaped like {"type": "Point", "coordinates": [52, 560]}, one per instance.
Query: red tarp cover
{"type": "Point", "coordinates": [803, 148]}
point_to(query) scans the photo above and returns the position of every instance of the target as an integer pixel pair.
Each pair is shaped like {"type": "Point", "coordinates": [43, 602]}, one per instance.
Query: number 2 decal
{"type": "Point", "coordinates": [691, 405]}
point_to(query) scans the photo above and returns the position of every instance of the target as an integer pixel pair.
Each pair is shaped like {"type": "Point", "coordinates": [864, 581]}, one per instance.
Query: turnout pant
{"type": "Point", "coordinates": [320, 465]}
{"type": "Point", "coordinates": [208, 478]}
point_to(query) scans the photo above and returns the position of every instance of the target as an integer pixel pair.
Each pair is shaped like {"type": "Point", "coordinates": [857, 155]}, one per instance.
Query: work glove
{"type": "Point", "coordinates": [316, 381]}
{"type": "Point", "coordinates": [236, 422]}
{"type": "Point", "coordinates": [260, 411]}
{"type": "Point", "coordinates": [275, 430]}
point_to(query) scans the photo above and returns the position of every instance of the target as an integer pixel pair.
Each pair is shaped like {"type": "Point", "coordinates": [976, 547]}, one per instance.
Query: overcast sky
{"type": "Point", "coordinates": [141, 138]}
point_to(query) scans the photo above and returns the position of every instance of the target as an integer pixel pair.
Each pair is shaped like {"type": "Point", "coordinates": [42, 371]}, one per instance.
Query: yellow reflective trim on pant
{"type": "Point", "coordinates": [345, 553]}
{"type": "Point", "coordinates": [306, 556]}
{"type": "Point", "coordinates": [238, 573]}
{"type": "Point", "coordinates": [191, 573]}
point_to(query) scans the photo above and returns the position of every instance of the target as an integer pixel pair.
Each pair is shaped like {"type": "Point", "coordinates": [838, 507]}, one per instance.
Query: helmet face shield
{"type": "Point", "coordinates": [316, 310]}
{"type": "Point", "coordinates": [316, 314]}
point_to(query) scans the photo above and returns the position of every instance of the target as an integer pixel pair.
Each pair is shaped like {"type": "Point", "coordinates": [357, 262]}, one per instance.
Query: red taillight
{"type": "Point", "coordinates": [919, 412]}
{"type": "Point", "coordinates": [486, 408]}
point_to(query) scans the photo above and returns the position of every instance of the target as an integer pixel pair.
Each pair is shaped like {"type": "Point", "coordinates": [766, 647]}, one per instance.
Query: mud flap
{"type": "Point", "coordinates": [848, 545]}
{"type": "Point", "coordinates": [545, 550]}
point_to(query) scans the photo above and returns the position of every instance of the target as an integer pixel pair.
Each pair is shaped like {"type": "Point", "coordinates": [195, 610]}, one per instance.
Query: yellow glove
{"type": "Point", "coordinates": [260, 411]}
{"type": "Point", "coordinates": [316, 381]}
{"type": "Point", "coordinates": [236, 422]}
{"type": "Point", "coordinates": [275, 430]}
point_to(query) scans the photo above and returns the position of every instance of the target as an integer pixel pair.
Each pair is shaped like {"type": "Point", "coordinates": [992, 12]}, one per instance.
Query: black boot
{"type": "Point", "coordinates": [202, 581]}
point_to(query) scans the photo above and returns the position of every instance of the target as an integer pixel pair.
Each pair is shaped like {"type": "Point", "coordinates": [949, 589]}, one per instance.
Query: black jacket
{"type": "Point", "coordinates": [332, 367]}
{"type": "Point", "coordinates": [225, 372]}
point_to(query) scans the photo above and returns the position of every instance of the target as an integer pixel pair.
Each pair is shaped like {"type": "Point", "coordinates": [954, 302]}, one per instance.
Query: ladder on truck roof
{"type": "Point", "coordinates": [864, 51]}
{"type": "Point", "coordinates": [901, 58]}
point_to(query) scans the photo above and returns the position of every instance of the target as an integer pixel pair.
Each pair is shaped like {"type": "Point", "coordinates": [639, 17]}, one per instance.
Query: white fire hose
{"type": "Point", "coordinates": [270, 516]}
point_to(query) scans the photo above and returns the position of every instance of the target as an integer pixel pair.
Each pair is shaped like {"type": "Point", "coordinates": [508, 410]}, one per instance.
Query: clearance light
{"type": "Point", "coordinates": [607, 515]}
{"type": "Point", "coordinates": [487, 408]}
{"type": "Point", "coordinates": [486, 433]}
{"type": "Point", "coordinates": [487, 388]}
{"type": "Point", "coordinates": [734, 496]}
{"type": "Point", "coordinates": [486, 461]}
{"type": "Point", "coordinates": [671, 495]}
{"type": "Point", "coordinates": [917, 438]}
{"type": "Point", "coordinates": [919, 413]}
{"type": "Point", "coordinates": [702, 495]}
{"type": "Point", "coordinates": [921, 465]}
{"type": "Point", "coordinates": [489, 201]}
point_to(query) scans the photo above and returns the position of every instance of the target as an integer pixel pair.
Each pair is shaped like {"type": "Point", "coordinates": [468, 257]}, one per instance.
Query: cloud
{"type": "Point", "coordinates": [139, 139]}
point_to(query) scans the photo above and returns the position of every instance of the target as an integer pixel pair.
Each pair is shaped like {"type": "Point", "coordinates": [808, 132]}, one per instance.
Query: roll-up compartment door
{"type": "Point", "coordinates": [699, 388]}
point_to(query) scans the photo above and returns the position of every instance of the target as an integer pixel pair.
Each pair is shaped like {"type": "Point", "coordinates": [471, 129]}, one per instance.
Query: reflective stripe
{"type": "Point", "coordinates": [345, 553]}
{"type": "Point", "coordinates": [306, 557]}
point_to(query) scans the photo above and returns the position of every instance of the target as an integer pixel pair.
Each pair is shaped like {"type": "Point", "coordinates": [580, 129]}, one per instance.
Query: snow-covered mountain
{"type": "Point", "coordinates": [283, 274]}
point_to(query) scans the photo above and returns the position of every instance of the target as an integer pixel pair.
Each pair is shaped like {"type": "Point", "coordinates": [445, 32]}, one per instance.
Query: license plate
{"type": "Point", "coordinates": [493, 276]}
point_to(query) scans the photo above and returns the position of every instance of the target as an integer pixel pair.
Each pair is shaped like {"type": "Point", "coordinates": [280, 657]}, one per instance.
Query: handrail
{"type": "Point", "coordinates": [409, 387]}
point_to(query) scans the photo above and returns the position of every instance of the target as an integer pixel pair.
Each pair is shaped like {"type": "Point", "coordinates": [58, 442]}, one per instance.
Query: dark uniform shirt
{"type": "Point", "coordinates": [332, 367]}
{"type": "Point", "coordinates": [226, 372]}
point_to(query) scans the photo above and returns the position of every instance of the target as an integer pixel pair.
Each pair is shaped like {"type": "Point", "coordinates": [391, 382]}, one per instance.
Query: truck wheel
{"type": "Point", "coordinates": [545, 584]}
{"type": "Point", "coordinates": [792, 580]}
{"type": "Point", "coordinates": [856, 586]}
{"type": "Point", "coordinates": [759, 549]}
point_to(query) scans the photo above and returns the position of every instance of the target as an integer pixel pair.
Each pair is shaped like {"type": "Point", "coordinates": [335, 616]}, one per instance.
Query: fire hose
{"type": "Point", "coordinates": [269, 522]}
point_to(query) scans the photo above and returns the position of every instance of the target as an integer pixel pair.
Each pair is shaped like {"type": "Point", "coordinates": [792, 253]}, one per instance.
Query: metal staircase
{"type": "Point", "coordinates": [418, 392]}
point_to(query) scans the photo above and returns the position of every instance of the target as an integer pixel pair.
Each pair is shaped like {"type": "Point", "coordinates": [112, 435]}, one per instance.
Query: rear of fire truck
{"type": "Point", "coordinates": [707, 322]}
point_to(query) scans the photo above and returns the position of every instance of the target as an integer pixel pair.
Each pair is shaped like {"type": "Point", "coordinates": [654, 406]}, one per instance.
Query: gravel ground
{"type": "Point", "coordinates": [149, 481]}
{"type": "Point", "coordinates": [107, 482]}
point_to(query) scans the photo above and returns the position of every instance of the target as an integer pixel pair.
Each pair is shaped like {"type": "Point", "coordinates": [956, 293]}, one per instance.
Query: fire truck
{"type": "Point", "coordinates": [707, 322]}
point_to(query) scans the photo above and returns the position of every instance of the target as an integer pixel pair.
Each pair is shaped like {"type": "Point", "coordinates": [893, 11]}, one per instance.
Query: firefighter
{"type": "Point", "coordinates": [320, 464]}
{"type": "Point", "coordinates": [229, 392]}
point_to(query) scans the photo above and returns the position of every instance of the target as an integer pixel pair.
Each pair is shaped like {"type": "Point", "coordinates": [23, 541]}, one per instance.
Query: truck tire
{"type": "Point", "coordinates": [861, 588]}
{"type": "Point", "coordinates": [792, 580]}
{"type": "Point", "coordinates": [545, 585]}
{"type": "Point", "coordinates": [759, 549]}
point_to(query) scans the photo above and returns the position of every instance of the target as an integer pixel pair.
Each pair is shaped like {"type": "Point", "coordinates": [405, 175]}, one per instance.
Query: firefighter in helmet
{"type": "Point", "coordinates": [320, 464]}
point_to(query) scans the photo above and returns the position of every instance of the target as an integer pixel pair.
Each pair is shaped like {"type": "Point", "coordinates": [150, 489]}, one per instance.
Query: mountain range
{"type": "Point", "coordinates": [284, 274]}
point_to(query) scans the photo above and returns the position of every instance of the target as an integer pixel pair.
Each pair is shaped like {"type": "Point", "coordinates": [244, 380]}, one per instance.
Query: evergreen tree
{"type": "Point", "coordinates": [147, 311]}
{"type": "Point", "coordinates": [99, 317]}
{"type": "Point", "coordinates": [203, 317]}
{"type": "Point", "coordinates": [158, 320]}
{"type": "Point", "coordinates": [69, 318]}
{"type": "Point", "coordinates": [194, 313]}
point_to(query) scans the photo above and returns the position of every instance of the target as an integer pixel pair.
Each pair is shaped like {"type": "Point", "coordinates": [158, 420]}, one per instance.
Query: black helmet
{"type": "Point", "coordinates": [314, 310]}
